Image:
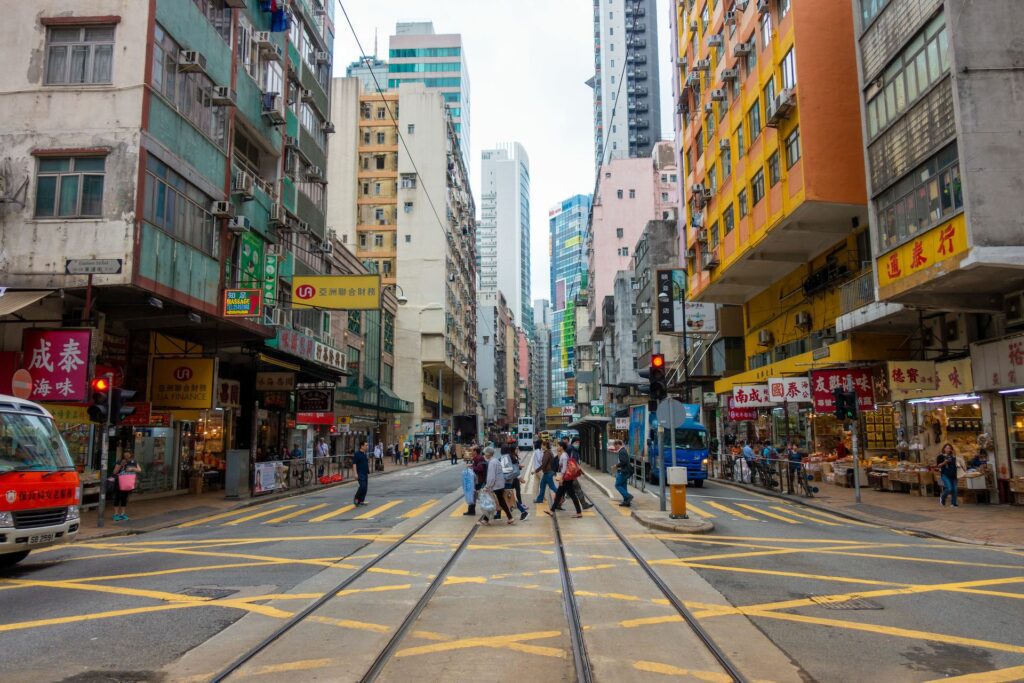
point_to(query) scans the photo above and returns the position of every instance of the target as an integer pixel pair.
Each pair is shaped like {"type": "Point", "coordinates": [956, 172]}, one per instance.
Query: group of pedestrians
{"type": "Point", "coordinates": [762, 461]}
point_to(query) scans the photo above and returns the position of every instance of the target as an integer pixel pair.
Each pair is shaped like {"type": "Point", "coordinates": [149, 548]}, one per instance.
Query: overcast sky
{"type": "Point", "coordinates": [528, 62]}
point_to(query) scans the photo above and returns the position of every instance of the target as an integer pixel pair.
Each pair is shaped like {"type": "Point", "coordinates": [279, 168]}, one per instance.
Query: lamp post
{"type": "Point", "coordinates": [401, 298]}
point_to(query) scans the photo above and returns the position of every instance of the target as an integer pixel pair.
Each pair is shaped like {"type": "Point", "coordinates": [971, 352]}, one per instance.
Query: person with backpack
{"type": "Point", "coordinates": [494, 485]}
{"type": "Point", "coordinates": [568, 472]}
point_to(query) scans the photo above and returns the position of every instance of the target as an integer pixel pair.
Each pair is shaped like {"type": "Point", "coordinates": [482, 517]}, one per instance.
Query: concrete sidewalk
{"type": "Point", "coordinates": [160, 513]}
{"type": "Point", "coordinates": [644, 508]}
{"type": "Point", "coordinates": [969, 523]}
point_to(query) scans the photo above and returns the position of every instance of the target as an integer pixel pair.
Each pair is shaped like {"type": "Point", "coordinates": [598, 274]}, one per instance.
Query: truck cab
{"type": "Point", "coordinates": [691, 452]}
{"type": "Point", "coordinates": [39, 486]}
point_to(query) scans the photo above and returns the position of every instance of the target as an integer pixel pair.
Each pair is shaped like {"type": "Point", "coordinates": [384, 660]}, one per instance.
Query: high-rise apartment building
{"type": "Point", "coordinates": [492, 332]}
{"type": "Point", "coordinates": [568, 226]}
{"type": "Point", "coordinates": [405, 207]}
{"type": "Point", "coordinates": [627, 101]}
{"type": "Point", "coordinates": [437, 60]}
{"type": "Point", "coordinates": [540, 374]}
{"type": "Point", "coordinates": [372, 73]}
{"type": "Point", "coordinates": [503, 234]}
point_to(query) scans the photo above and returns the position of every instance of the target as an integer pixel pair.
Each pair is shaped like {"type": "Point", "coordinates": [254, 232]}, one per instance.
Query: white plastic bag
{"type": "Point", "coordinates": [488, 505]}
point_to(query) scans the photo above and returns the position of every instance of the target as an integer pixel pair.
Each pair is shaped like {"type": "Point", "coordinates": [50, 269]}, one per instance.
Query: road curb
{"type": "Point", "coordinates": [865, 518]}
{"type": "Point", "coordinates": [694, 525]}
{"type": "Point", "coordinates": [248, 503]}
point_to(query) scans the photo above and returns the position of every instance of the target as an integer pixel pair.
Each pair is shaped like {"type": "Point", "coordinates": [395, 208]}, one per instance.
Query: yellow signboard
{"type": "Point", "coordinates": [70, 414]}
{"type": "Point", "coordinates": [336, 292]}
{"type": "Point", "coordinates": [929, 249]}
{"type": "Point", "coordinates": [182, 383]}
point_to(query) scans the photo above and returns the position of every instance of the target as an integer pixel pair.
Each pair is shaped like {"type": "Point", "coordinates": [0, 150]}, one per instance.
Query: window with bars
{"type": "Point", "coordinates": [79, 55]}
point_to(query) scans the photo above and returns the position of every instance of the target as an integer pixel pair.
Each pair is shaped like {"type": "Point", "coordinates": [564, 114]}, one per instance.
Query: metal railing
{"type": "Point", "coordinates": [858, 292]}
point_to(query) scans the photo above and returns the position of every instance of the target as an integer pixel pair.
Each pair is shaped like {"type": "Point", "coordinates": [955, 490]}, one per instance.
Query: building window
{"type": "Point", "coordinates": [728, 220]}
{"type": "Point", "coordinates": [757, 187]}
{"type": "Point", "coordinates": [618, 233]}
{"type": "Point", "coordinates": [664, 196]}
{"type": "Point", "coordinates": [774, 175]}
{"type": "Point", "coordinates": [788, 69]}
{"type": "Point", "coordinates": [927, 195]}
{"type": "Point", "coordinates": [219, 16]}
{"type": "Point", "coordinates": [741, 200]}
{"type": "Point", "coordinates": [713, 235]}
{"type": "Point", "coordinates": [712, 178]}
{"type": "Point", "coordinates": [185, 92]}
{"type": "Point", "coordinates": [754, 121]}
{"type": "Point", "coordinates": [751, 61]}
{"type": "Point", "coordinates": [378, 240]}
{"type": "Point", "coordinates": [869, 9]}
{"type": "Point", "coordinates": [623, 251]}
{"type": "Point", "coordinates": [766, 29]}
{"type": "Point", "coordinates": [769, 92]}
{"type": "Point", "coordinates": [70, 187]}
{"type": "Point", "coordinates": [741, 141]}
{"type": "Point", "coordinates": [783, 8]}
{"type": "Point", "coordinates": [709, 127]}
{"type": "Point", "coordinates": [726, 164]}
{"type": "Point", "coordinates": [618, 193]}
{"type": "Point", "coordinates": [793, 147]}
{"type": "Point", "coordinates": [77, 55]}
{"type": "Point", "coordinates": [179, 208]}
{"type": "Point", "coordinates": [407, 207]}
{"type": "Point", "coordinates": [632, 194]}
{"type": "Point", "coordinates": [411, 128]}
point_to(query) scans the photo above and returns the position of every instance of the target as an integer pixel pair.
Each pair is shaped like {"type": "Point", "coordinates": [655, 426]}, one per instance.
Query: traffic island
{"type": "Point", "coordinates": [662, 521]}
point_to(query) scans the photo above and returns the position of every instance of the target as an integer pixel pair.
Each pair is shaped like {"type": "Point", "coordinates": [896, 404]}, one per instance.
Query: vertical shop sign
{"type": "Point", "coordinates": [250, 261]}
{"type": "Point", "coordinates": [270, 273]}
{"type": "Point", "coordinates": [58, 361]}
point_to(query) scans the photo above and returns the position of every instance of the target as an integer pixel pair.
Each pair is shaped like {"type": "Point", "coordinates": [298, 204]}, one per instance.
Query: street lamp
{"type": "Point", "coordinates": [402, 300]}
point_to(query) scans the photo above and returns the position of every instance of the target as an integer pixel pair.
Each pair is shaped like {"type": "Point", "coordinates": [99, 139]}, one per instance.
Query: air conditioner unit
{"type": "Point", "coordinates": [326, 247]}
{"type": "Point", "coordinates": [691, 253]}
{"type": "Point", "coordinates": [315, 174]}
{"type": "Point", "coordinates": [191, 61]}
{"type": "Point", "coordinates": [765, 338]}
{"type": "Point", "coordinates": [274, 108]}
{"type": "Point", "coordinates": [323, 57]}
{"type": "Point", "coordinates": [693, 24]}
{"type": "Point", "coordinates": [222, 96]}
{"type": "Point", "coordinates": [708, 260]}
{"type": "Point", "coordinates": [709, 108]}
{"type": "Point", "coordinates": [305, 95]}
{"type": "Point", "coordinates": [222, 209]}
{"type": "Point", "coordinates": [697, 188]}
{"type": "Point", "coordinates": [277, 316]}
{"type": "Point", "coordinates": [708, 194]}
{"type": "Point", "coordinates": [278, 215]}
{"type": "Point", "coordinates": [702, 235]}
{"type": "Point", "coordinates": [243, 184]}
{"type": "Point", "coordinates": [763, 7]}
{"type": "Point", "coordinates": [702, 65]}
{"type": "Point", "coordinates": [730, 17]}
{"type": "Point", "coordinates": [1013, 308]}
{"type": "Point", "coordinates": [275, 251]}
{"type": "Point", "coordinates": [693, 78]}
{"type": "Point", "coordinates": [291, 142]}
{"type": "Point", "coordinates": [730, 74]}
{"type": "Point", "coordinates": [741, 49]}
{"type": "Point", "coordinates": [302, 227]}
{"type": "Point", "coordinates": [803, 319]}
{"type": "Point", "coordinates": [681, 62]}
{"type": "Point", "coordinates": [719, 94]}
{"type": "Point", "coordinates": [327, 127]}
{"type": "Point", "coordinates": [264, 40]}
{"type": "Point", "coordinates": [306, 331]}
{"type": "Point", "coordinates": [239, 224]}
{"type": "Point", "coordinates": [716, 40]}
{"type": "Point", "coordinates": [781, 107]}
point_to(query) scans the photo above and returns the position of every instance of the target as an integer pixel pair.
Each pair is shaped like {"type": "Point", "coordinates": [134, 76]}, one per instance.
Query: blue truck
{"type": "Point", "coordinates": [691, 448]}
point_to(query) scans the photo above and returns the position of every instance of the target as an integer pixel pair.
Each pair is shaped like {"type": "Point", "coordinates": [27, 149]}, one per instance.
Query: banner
{"type": "Point", "coordinates": [314, 418]}
{"type": "Point", "coordinates": [250, 261]}
{"type": "Point", "coordinates": [264, 477]}
{"type": "Point", "coordinates": [58, 361]}
{"type": "Point", "coordinates": [751, 396]}
{"type": "Point", "coordinates": [182, 382]}
{"type": "Point", "coordinates": [336, 292]}
{"type": "Point", "coordinates": [737, 414]}
{"type": "Point", "coordinates": [824, 382]}
{"type": "Point", "coordinates": [638, 433]}
{"type": "Point", "coordinates": [789, 390]}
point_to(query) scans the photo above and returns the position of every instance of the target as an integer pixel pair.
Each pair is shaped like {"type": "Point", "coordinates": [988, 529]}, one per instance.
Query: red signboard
{"type": "Point", "coordinates": [243, 303]}
{"type": "Point", "coordinates": [740, 414]}
{"type": "Point", "coordinates": [314, 418]}
{"type": "Point", "coordinates": [142, 415]}
{"type": "Point", "coordinates": [58, 361]}
{"type": "Point", "coordinates": [824, 382]}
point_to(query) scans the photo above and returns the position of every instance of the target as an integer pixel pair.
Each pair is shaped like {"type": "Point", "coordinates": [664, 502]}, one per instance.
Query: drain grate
{"type": "Point", "coordinates": [844, 602]}
{"type": "Point", "coordinates": [208, 593]}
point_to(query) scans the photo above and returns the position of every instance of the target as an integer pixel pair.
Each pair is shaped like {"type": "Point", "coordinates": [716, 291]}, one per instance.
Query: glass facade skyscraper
{"type": "Point", "coordinates": [568, 225]}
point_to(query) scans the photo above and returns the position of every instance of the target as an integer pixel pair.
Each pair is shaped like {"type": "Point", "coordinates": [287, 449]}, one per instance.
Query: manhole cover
{"type": "Point", "coordinates": [208, 593]}
{"type": "Point", "coordinates": [843, 602]}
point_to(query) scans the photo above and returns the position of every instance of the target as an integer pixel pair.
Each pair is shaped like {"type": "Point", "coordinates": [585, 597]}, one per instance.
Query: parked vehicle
{"type": "Point", "coordinates": [691, 447]}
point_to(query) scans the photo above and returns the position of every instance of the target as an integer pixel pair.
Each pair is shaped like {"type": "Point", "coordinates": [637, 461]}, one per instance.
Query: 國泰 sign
{"type": "Point", "coordinates": [789, 390]}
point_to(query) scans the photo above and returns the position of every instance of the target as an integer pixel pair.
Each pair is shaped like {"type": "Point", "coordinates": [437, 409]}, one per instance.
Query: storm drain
{"type": "Point", "coordinates": [844, 602]}
{"type": "Point", "coordinates": [208, 593]}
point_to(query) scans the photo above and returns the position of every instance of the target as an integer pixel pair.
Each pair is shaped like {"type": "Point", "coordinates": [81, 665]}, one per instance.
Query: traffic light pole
{"type": "Point", "coordinates": [856, 461]}
{"type": "Point", "coordinates": [672, 448]}
{"type": "Point", "coordinates": [105, 452]}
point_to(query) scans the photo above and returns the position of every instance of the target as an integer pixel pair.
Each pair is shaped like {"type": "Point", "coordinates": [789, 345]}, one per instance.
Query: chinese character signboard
{"type": "Point", "coordinates": [738, 414]}
{"type": "Point", "coordinates": [243, 303]}
{"type": "Point", "coordinates": [314, 418]}
{"type": "Point", "coordinates": [315, 400]}
{"type": "Point", "coordinates": [336, 292]}
{"type": "Point", "coordinates": [303, 346]}
{"type": "Point", "coordinates": [824, 382]}
{"type": "Point", "coordinates": [929, 249]}
{"type": "Point", "coordinates": [275, 381]}
{"type": "Point", "coordinates": [229, 393]}
{"type": "Point", "coordinates": [998, 364]}
{"type": "Point", "coordinates": [250, 261]}
{"type": "Point", "coordinates": [182, 382]}
{"type": "Point", "coordinates": [909, 378]}
{"type": "Point", "coordinates": [789, 390]}
{"type": "Point", "coordinates": [751, 396]}
{"type": "Point", "coordinates": [270, 279]}
{"type": "Point", "coordinates": [58, 361]}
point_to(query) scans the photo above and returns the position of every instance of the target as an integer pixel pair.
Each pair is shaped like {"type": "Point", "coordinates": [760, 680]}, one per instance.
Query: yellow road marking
{"type": "Point", "coordinates": [797, 575]}
{"type": "Point", "coordinates": [374, 589]}
{"type": "Point", "coordinates": [486, 641]}
{"type": "Point", "coordinates": [843, 520]}
{"type": "Point", "coordinates": [291, 515]}
{"type": "Point", "coordinates": [214, 518]}
{"type": "Point", "coordinates": [302, 665]}
{"type": "Point", "coordinates": [416, 512]}
{"type": "Point", "coordinates": [768, 514]}
{"type": "Point", "coordinates": [669, 670]}
{"type": "Point", "coordinates": [649, 621]}
{"type": "Point", "coordinates": [378, 510]}
{"type": "Point", "coordinates": [790, 512]}
{"type": "Point", "coordinates": [458, 512]}
{"type": "Point", "coordinates": [734, 513]}
{"type": "Point", "coordinates": [349, 623]}
{"type": "Point", "coordinates": [625, 512]}
{"type": "Point", "coordinates": [249, 518]}
{"type": "Point", "coordinates": [1015, 673]}
{"type": "Point", "coordinates": [455, 580]}
{"type": "Point", "coordinates": [119, 590]}
{"type": "Point", "coordinates": [699, 510]}
{"type": "Point", "coordinates": [331, 515]}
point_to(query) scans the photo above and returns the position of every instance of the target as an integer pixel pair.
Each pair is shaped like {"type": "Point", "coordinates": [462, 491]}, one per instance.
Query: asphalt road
{"type": "Point", "coordinates": [849, 601]}
{"type": "Point", "coordinates": [87, 611]}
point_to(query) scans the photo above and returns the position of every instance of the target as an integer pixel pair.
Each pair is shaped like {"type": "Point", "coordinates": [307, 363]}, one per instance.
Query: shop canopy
{"type": "Point", "coordinates": [366, 397]}
{"type": "Point", "coordinates": [13, 301]}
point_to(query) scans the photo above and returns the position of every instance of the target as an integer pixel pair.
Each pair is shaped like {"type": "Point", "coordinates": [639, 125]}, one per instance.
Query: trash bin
{"type": "Point", "coordinates": [676, 478]}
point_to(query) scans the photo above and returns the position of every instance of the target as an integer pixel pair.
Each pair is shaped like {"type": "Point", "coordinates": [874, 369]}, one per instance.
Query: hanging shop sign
{"type": "Point", "coordinates": [182, 382]}
{"type": "Point", "coordinates": [824, 382]}
{"type": "Point", "coordinates": [314, 400]}
{"type": "Point", "coordinates": [304, 346]}
{"type": "Point", "coordinates": [314, 418]}
{"type": "Point", "coordinates": [58, 361]}
{"type": "Point", "coordinates": [142, 415]}
{"type": "Point", "coordinates": [751, 396]}
{"type": "Point", "coordinates": [789, 390]}
{"type": "Point", "coordinates": [739, 414]}
{"type": "Point", "coordinates": [275, 381]}
{"type": "Point", "coordinates": [621, 424]}
{"type": "Point", "coordinates": [336, 292]}
{"type": "Point", "coordinates": [275, 399]}
{"type": "Point", "coordinates": [69, 414]}
{"type": "Point", "coordinates": [243, 303]}
{"type": "Point", "coordinates": [250, 260]}
{"type": "Point", "coordinates": [998, 364]}
{"type": "Point", "coordinates": [909, 378]}
{"type": "Point", "coordinates": [270, 273]}
{"type": "Point", "coordinates": [229, 393]}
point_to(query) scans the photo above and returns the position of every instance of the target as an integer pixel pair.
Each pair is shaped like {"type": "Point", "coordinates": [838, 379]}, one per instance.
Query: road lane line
{"type": "Point", "coordinates": [729, 510]}
{"type": "Point", "coordinates": [378, 510]}
{"type": "Point", "coordinates": [802, 516]}
{"type": "Point", "coordinates": [759, 511]}
{"type": "Point", "coordinates": [214, 518]}
{"type": "Point", "coordinates": [844, 520]}
{"type": "Point", "coordinates": [249, 518]}
{"type": "Point", "coordinates": [291, 515]}
{"type": "Point", "coordinates": [416, 512]}
{"type": "Point", "coordinates": [331, 515]}
{"type": "Point", "coordinates": [699, 510]}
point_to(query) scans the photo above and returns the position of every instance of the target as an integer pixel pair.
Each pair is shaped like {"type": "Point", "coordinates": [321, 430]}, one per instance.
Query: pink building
{"type": "Point", "coordinates": [525, 361]}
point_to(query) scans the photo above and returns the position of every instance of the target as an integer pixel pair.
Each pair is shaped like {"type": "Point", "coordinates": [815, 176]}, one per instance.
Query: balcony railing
{"type": "Point", "coordinates": [857, 293]}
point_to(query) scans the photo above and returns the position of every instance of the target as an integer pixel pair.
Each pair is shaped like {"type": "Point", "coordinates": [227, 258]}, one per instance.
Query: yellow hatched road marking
{"type": "Point", "coordinates": [291, 515]}
{"type": "Point", "coordinates": [729, 510]}
{"type": "Point", "coordinates": [377, 510]}
{"type": "Point", "coordinates": [249, 518]}
{"type": "Point", "coordinates": [214, 518]}
{"type": "Point", "coordinates": [416, 512]}
{"type": "Point", "coordinates": [843, 520]}
{"type": "Point", "coordinates": [331, 515]}
{"type": "Point", "coordinates": [759, 511]}
{"type": "Point", "coordinates": [668, 669]}
{"type": "Point", "coordinates": [807, 517]}
{"type": "Point", "coordinates": [699, 510]}
{"type": "Point", "coordinates": [1015, 673]}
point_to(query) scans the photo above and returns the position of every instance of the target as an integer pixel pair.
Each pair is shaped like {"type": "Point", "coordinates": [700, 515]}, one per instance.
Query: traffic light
{"type": "Point", "coordinates": [655, 374]}
{"type": "Point", "coordinates": [100, 390]}
{"type": "Point", "coordinates": [119, 409]}
{"type": "Point", "coordinates": [846, 404]}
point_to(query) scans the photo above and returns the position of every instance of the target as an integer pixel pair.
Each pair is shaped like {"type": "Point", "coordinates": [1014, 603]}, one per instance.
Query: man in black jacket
{"type": "Point", "coordinates": [622, 469]}
{"type": "Point", "coordinates": [362, 463]}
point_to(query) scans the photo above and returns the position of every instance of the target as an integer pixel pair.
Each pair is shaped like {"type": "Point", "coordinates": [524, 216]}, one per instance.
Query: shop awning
{"type": "Point", "coordinates": [13, 301]}
{"type": "Point", "coordinates": [589, 422]}
{"type": "Point", "coordinates": [366, 397]}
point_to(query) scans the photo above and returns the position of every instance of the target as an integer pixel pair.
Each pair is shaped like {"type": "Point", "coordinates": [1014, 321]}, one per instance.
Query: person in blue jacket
{"type": "Point", "coordinates": [362, 463]}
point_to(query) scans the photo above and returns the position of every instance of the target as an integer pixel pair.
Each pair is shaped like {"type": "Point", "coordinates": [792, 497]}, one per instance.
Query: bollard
{"type": "Point", "coordinates": [676, 478]}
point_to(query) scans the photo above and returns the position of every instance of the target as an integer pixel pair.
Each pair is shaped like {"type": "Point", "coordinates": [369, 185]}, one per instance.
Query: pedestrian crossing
{"type": "Point", "coordinates": [785, 513]}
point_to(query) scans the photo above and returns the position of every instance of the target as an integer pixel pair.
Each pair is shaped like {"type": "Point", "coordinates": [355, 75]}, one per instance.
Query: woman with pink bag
{"type": "Point", "coordinates": [125, 473]}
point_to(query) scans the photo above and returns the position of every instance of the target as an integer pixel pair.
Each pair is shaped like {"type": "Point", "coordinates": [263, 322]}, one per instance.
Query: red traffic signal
{"type": "Point", "coordinates": [658, 360]}
{"type": "Point", "coordinates": [100, 385]}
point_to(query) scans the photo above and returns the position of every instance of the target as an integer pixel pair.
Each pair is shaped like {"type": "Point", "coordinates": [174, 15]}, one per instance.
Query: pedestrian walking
{"type": "Point", "coordinates": [362, 463]}
{"type": "Point", "coordinates": [568, 471]}
{"type": "Point", "coordinates": [548, 470]}
{"type": "Point", "coordinates": [322, 449]}
{"type": "Point", "coordinates": [494, 485]}
{"type": "Point", "coordinates": [514, 484]}
{"type": "Point", "coordinates": [478, 465]}
{"type": "Point", "coordinates": [405, 454]}
{"type": "Point", "coordinates": [573, 450]}
{"type": "Point", "coordinates": [531, 469]}
{"type": "Point", "coordinates": [950, 466]}
{"type": "Point", "coordinates": [622, 472]}
{"type": "Point", "coordinates": [126, 472]}
{"type": "Point", "coordinates": [451, 452]}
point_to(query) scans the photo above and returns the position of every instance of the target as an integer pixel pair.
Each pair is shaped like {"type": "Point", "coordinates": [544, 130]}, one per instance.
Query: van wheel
{"type": "Point", "coordinates": [11, 559]}
{"type": "Point", "coordinates": [698, 483]}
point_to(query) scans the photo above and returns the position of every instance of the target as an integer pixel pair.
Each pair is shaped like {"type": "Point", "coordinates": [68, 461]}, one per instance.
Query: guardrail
{"type": "Point", "coordinates": [858, 292]}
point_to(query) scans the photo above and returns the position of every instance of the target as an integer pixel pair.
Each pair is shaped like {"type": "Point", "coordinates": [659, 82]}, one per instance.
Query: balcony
{"type": "Point", "coordinates": [858, 292]}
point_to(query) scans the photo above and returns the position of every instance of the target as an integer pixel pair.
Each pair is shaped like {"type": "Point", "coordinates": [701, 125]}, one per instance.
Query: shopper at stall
{"type": "Point", "coordinates": [362, 463]}
{"type": "Point", "coordinates": [124, 485]}
{"type": "Point", "coordinates": [950, 466]}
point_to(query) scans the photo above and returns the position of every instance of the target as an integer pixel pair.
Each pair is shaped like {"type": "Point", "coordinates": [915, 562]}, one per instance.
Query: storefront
{"type": "Point", "coordinates": [999, 380]}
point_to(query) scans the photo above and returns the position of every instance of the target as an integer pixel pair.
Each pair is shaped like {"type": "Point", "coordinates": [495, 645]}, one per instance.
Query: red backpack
{"type": "Point", "coordinates": [572, 470]}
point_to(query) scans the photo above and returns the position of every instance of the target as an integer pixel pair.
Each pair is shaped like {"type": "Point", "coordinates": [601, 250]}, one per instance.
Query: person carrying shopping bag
{"type": "Point", "coordinates": [126, 473]}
